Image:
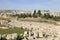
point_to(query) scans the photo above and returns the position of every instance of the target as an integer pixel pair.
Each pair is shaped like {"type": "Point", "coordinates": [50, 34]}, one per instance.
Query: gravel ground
{"type": "Point", "coordinates": [46, 27]}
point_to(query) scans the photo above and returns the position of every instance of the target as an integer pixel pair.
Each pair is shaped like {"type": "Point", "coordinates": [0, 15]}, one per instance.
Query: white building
{"type": "Point", "coordinates": [54, 13]}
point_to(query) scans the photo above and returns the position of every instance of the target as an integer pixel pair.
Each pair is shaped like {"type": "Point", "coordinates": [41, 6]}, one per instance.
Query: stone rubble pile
{"type": "Point", "coordinates": [8, 36]}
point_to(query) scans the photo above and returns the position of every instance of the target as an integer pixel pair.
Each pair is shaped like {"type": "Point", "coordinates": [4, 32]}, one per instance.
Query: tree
{"type": "Point", "coordinates": [47, 15]}
{"type": "Point", "coordinates": [51, 16]}
{"type": "Point", "coordinates": [44, 15]}
{"type": "Point", "coordinates": [39, 13]}
{"type": "Point", "coordinates": [34, 14]}
{"type": "Point", "coordinates": [24, 15]}
{"type": "Point", "coordinates": [30, 15]}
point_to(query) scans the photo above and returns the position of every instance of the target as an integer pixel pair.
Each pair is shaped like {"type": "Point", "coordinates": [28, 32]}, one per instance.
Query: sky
{"type": "Point", "coordinates": [30, 4]}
